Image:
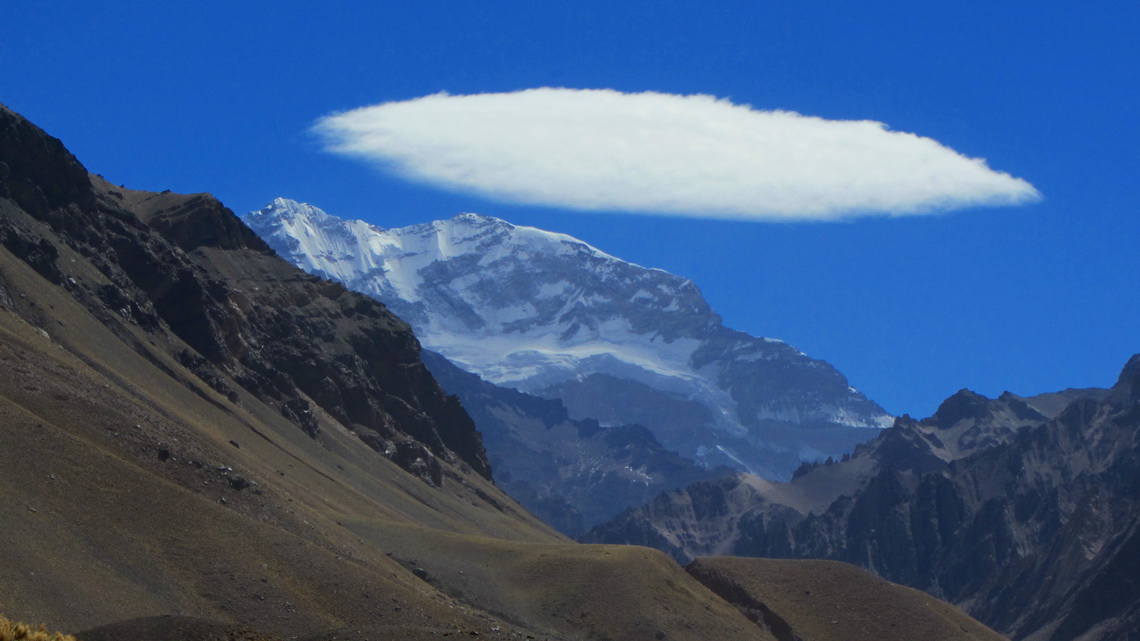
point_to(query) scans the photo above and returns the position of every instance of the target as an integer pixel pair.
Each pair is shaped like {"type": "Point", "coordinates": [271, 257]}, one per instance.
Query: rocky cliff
{"type": "Point", "coordinates": [187, 265]}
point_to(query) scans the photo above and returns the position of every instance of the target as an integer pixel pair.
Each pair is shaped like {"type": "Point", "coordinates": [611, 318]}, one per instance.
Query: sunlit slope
{"type": "Point", "coordinates": [119, 495]}
{"type": "Point", "coordinates": [109, 521]}
{"type": "Point", "coordinates": [590, 591]}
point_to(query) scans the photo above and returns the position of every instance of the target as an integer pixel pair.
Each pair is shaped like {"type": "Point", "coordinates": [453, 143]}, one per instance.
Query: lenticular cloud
{"type": "Point", "coordinates": [659, 153]}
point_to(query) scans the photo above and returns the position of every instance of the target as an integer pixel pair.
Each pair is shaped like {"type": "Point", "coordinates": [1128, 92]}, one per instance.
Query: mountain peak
{"type": "Point", "coordinates": [545, 312]}
{"type": "Point", "coordinates": [1127, 388]}
{"type": "Point", "coordinates": [480, 219]}
{"type": "Point", "coordinates": [38, 173]}
{"type": "Point", "coordinates": [963, 404]}
{"type": "Point", "coordinates": [290, 210]}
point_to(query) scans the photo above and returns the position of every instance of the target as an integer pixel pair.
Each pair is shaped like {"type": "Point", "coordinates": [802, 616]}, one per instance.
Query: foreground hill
{"type": "Point", "coordinates": [200, 441]}
{"type": "Point", "coordinates": [1024, 511]}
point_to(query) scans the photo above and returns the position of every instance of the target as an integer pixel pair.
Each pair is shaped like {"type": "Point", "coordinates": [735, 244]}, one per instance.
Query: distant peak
{"type": "Point", "coordinates": [479, 218]}
{"type": "Point", "coordinates": [286, 204]}
{"type": "Point", "coordinates": [287, 210]}
{"type": "Point", "coordinates": [962, 405]}
{"type": "Point", "coordinates": [1131, 372]}
{"type": "Point", "coordinates": [282, 203]}
{"type": "Point", "coordinates": [1127, 388]}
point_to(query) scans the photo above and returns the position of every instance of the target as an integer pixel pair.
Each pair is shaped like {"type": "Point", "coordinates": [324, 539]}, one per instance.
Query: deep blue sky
{"type": "Point", "coordinates": [219, 97]}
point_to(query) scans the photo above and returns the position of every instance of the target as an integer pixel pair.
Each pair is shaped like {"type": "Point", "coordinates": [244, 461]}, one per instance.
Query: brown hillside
{"type": "Point", "coordinates": [833, 601]}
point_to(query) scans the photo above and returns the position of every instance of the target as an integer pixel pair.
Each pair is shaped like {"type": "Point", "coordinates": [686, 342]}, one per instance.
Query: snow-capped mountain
{"type": "Point", "coordinates": [551, 315]}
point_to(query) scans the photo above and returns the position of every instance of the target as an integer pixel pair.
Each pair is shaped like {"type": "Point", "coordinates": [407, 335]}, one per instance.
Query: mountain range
{"type": "Point", "coordinates": [550, 315]}
{"type": "Point", "coordinates": [201, 441]}
{"type": "Point", "coordinates": [1021, 510]}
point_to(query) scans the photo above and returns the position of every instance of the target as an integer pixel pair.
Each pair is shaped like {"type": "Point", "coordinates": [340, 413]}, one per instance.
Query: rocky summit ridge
{"type": "Point", "coordinates": [551, 315]}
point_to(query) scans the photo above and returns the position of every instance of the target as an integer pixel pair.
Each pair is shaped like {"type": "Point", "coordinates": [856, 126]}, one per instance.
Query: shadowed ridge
{"type": "Point", "coordinates": [728, 589]}
{"type": "Point", "coordinates": [187, 220]}
{"type": "Point", "coordinates": [36, 170]}
{"type": "Point", "coordinates": [1024, 516]}
{"type": "Point", "coordinates": [962, 405]}
{"type": "Point", "coordinates": [1126, 391]}
{"type": "Point", "coordinates": [187, 263]}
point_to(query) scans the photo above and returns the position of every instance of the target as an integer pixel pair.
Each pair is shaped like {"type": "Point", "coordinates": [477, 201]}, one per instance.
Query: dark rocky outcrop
{"type": "Point", "coordinates": [36, 171]}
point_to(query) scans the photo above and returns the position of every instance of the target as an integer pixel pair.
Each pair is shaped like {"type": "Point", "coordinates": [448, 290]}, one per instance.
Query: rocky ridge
{"type": "Point", "coordinates": [1015, 515]}
{"type": "Point", "coordinates": [167, 263]}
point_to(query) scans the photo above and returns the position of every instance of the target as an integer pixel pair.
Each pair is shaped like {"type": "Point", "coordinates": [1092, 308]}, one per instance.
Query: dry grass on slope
{"type": "Point", "coordinates": [172, 628]}
{"type": "Point", "coordinates": [572, 591]}
{"type": "Point", "coordinates": [17, 631]}
{"type": "Point", "coordinates": [832, 601]}
{"type": "Point", "coordinates": [118, 498]}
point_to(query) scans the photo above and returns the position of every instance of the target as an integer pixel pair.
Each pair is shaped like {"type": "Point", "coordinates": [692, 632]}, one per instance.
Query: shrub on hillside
{"type": "Point", "coordinates": [16, 631]}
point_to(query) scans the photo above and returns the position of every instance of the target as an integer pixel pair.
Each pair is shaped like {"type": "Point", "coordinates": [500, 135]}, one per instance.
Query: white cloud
{"type": "Point", "coordinates": [660, 153]}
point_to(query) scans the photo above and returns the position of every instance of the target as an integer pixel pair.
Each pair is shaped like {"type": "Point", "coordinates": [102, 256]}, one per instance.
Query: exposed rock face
{"type": "Point", "coordinates": [1024, 520]}
{"type": "Point", "coordinates": [549, 314]}
{"type": "Point", "coordinates": [188, 265]}
{"type": "Point", "coordinates": [572, 474]}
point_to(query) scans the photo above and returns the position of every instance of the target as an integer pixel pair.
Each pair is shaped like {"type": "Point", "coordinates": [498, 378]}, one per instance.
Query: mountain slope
{"type": "Point", "coordinates": [761, 588]}
{"type": "Point", "coordinates": [551, 315]}
{"type": "Point", "coordinates": [166, 450]}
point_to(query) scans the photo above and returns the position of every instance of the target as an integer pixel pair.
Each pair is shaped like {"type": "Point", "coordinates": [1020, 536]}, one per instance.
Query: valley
{"type": "Point", "coordinates": [198, 436]}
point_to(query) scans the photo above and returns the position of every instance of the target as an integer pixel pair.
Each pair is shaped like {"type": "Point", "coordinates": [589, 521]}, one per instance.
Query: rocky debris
{"type": "Point", "coordinates": [300, 413]}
